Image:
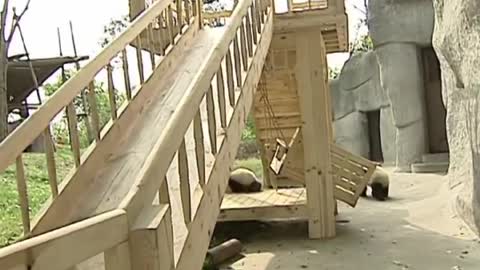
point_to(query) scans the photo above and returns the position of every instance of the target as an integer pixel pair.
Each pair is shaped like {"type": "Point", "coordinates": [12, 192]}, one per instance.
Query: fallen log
{"type": "Point", "coordinates": [221, 253]}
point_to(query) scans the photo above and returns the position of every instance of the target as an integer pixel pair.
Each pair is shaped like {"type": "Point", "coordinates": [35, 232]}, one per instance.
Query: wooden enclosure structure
{"type": "Point", "coordinates": [148, 190]}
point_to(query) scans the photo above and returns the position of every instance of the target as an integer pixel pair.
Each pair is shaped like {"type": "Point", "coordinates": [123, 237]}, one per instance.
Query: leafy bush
{"type": "Point", "coordinates": [249, 132]}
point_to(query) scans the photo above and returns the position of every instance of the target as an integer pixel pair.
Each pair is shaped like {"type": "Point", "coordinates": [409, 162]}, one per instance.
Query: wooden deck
{"type": "Point", "coordinates": [268, 204]}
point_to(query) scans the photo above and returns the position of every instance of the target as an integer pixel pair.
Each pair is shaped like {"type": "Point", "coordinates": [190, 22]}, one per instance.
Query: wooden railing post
{"type": "Point", "coordinates": [200, 13]}
{"type": "Point", "coordinates": [151, 241]}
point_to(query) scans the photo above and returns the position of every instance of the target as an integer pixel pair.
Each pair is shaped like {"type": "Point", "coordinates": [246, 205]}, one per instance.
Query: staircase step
{"type": "Point", "coordinates": [431, 167]}
{"type": "Point", "coordinates": [435, 158]}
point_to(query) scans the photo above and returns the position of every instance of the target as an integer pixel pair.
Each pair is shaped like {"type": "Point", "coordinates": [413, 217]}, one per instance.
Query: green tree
{"type": "Point", "coordinates": [249, 132]}
{"type": "Point", "coordinates": [362, 44]}
{"type": "Point", "coordinates": [113, 29]}
{"type": "Point", "coordinates": [333, 73]}
{"type": "Point", "coordinates": [103, 106]}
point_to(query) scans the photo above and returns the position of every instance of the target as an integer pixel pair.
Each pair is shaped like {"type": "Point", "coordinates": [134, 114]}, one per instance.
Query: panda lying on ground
{"type": "Point", "coordinates": [243, 180]}
{"type": "Point", "coordinates": [379, 183]}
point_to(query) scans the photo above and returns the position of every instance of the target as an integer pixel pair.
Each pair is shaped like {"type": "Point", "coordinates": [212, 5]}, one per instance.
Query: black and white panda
{"type": "Point", "coordinates": [243, 180]}
{"type": "Point", "coordinates": [379, 183]}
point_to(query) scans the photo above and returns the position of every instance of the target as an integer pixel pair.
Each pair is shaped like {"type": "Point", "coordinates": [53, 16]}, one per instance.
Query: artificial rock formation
{"type": "Point", "coordinates": [356, 92]}
{"type": "Point", "coordinates": [399, 28]}
{"type": "Point", "coordinates": [456, 40]}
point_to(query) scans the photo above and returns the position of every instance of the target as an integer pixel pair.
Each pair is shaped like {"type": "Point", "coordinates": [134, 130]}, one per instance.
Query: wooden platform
{"type": "Point", "coordinates": [268, 204]}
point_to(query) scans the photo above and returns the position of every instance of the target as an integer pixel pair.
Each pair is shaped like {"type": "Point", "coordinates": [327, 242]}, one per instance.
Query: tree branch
{"type": "Point", "coordinates": [3, 20]}
{"type": "Point", "coordinates": [16, 21]}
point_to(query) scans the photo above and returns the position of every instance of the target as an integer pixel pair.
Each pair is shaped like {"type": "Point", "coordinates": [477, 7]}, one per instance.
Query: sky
{"type": "Point", "coordinates": [41, 21]}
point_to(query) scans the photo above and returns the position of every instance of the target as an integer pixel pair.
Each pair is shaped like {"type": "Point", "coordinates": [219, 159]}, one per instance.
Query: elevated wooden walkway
{"type": "Point", "coordinates": [148, 190]}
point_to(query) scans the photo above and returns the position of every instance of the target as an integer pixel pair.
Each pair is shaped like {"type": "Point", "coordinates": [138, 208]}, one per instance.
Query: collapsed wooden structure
{"type": "Point", "coordinates": [149, 189]}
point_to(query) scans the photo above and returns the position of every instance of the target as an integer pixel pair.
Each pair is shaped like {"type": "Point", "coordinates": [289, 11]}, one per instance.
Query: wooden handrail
{"type": "Point", "coordinates": [33, 126]}
{"type": "Point", "coordinates": [68, 246]}
{"type": "Point", "coordinates": [168, 143]}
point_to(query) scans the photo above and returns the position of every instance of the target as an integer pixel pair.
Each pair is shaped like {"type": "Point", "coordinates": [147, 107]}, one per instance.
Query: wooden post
{"type": "Point", "coordinates": [151, 241]}
{"type": "Point", "coordinates": [118, 258]}
{"type": "Point", "coordinates": [311, 65]}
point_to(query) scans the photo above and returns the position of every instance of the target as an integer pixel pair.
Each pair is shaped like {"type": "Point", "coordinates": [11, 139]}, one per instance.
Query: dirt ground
{"type": "Point", "coordinates": [416, 229]}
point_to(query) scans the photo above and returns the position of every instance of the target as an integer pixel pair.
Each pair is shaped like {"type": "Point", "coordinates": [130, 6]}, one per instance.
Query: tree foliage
{"type": "Point", "coordinates": [362, 44]}
{"type": "Point", "coordinates": [113, 29]}
{"type": "Point", "coordinates": [103, 106]}
{"type": "Point", "coordinates": [333, 73]}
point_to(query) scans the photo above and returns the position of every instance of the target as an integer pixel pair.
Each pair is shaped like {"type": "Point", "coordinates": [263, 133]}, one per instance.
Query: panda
{"type": "Point", "coordinates": [379, 183]}
{"type": "Point", "coordinates": [243, 180]}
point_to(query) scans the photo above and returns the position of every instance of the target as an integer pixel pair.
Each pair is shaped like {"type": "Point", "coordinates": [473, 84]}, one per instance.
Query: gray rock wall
{"type": "Point", "coordinates": [357, 91]}
{"type": "Point", "coordinates": [456, 40]}
{"type": "Point", "coordinates": [400, 21]}
{"type": "Point", "coordinates": [399, 28]}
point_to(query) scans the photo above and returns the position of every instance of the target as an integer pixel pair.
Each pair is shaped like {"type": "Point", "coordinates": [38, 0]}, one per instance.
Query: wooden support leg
{"type": "Point", "coordinates": [118, 258]}
{"type": "Point", "coordinates": [310, 74]}
{"type": "Point", "coordinates": [151, 242]}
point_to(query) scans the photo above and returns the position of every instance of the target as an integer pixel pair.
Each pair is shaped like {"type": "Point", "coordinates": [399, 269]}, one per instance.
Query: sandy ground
{"type": "Point", "coordinates": [416, 229]}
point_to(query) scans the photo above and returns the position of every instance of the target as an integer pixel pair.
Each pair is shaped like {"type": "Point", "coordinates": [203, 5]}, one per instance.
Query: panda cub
{"type": "Point", "coordinates": [379, 183]}
{"type": "Point", "coordinates": [243, 180]}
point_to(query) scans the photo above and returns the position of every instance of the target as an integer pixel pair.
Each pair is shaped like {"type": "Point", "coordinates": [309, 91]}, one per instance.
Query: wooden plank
{"type": "Point", "coordinates": [32, 127]}
{"type": "Point", "coordinates": [179, 14]}
{"type": "Point", "coordinates": [243, 45]}
{"type": "Point", "coordinates": [151, 46]}
{"type": "Point", "coordinates": [230, 83]}
{"type": "Point", "coordinates": [164, 193]}
{"type": "Point", "coordinates": [159, 38]}
{"type": "Point", "coordinates": [171, 25]}
{"type": "Point", "coordinates": [187, 11]}
{"type": "Point", "coordinates": [248, 29]}
{"type": "Point", "coordinates": [70, 245]}
{"type": "Point", "coordinates": [118, 258]}
{"type": "Point", "coordinates": [184, 183]}
{"type": "Point", "coordinates": [258, 16]}
{"type": "Point", "coordinates": [221, 97]}
{"type": "Point", "coordinates": [151, 240]}
{"type": "Point", "coordinates": [345, 196]}
{"type": "Point", "coordinates": [238, 63]}
{"type": "Point", "coordinates": [126, 76]}
{"type": "Point", "coordinates": [73, 133]}
{"type": "Point", "coordinates": [199, 148]}
{"type": "Point", "coordinates": [95, 118]}
{"type": "Point", "coordinates": [347, 164]}
{"type": "Point", "coordinates": [263, 213]}
{"type": "Point", "coordinates": [316, 139]}
{"type": "Point", "coordinates": [111, 93]}
{"type": "Point", "coordinates": [358, 159]}
{"type": "Point", "coordinates": [200, 14]}
{"type": "Point", "coordinates": [212, 122]}
{"type": "Point", "coordinates": [138, 50]}
{"type": "Point", "coordinates": [254, 25]}
{"type": "Point", "coordinates": [196, 244]}
{"type": "Point", "coordinates": [51, 167]}
{"type": "Point", "coordinates": [23, 195]}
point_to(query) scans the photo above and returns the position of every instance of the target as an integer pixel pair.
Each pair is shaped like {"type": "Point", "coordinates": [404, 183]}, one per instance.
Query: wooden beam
{"type": "Point", "coordinates": [117, 258]}
{"type": "Point", "coordinates": [264, 213]}
{"type": "Point", "coordinates": [68, 246]}
{"type": "Point", "coordinates": [151, 240]}
{"type": "Point", "coordinates": [311, 65]}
